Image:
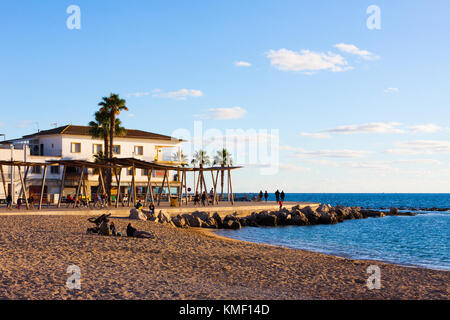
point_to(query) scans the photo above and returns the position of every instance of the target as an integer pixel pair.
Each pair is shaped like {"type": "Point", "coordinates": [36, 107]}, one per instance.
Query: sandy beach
{"type": "Point", "coordinates": [35, 252]}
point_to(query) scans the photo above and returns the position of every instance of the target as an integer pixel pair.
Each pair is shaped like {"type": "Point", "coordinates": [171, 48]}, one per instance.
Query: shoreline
{"type": "Point", "coordinates": [183, 264]}
{"type": "Point", "coordinates": [213, 233]}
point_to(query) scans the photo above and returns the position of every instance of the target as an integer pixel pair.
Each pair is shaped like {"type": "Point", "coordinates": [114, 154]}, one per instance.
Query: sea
{"type": "Point", "coordinates": [416, 241]}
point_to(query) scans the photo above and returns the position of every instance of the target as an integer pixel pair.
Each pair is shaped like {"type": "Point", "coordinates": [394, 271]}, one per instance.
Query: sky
{"type": "Point", "coordinates": [339, 97]}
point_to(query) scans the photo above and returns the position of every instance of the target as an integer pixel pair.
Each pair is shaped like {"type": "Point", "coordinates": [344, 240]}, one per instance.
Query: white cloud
{"type": "Point", "coordinates": [242, 64]}
{"type": "Point", "coordinates": [373, 127]}
{"type": "Point", "coordinates": [343, 153]}
{"type": "Point", "coordinates": [421, 147]}
{"type": "Point", "coordinates": [181, 94]}
{"type": "Point", "coordinates": [138, 94]}
{"type": "Point", "coordinates": [392, 90]}
{"type": "Point", "coordinates": [293, 167]}
{"type": "Point", "coordinates": [352, 49]}
{"type": "Point", "coordinates": [225, 113]}
{"type": "Point", "coordinates": [307, 61]}
{"type": "Point", "coordinates": [315, 135]}
{"type": "Point", "coordinates": [426, 128]}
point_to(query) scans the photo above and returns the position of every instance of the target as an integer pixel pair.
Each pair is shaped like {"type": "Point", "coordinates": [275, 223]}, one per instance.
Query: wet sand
{"type": "Point", "coordinates": [35, 252]}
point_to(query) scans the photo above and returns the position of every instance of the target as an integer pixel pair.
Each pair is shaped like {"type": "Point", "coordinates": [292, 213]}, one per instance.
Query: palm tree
{"type": "Point", "coordinates": [112, 105]}
{"type": "Point", "coordinates": [201, 159]}
{"type": "Point", "coordinates": [179, 156]}
{"type": "Point", "coordinates": [223, 157]}
{"type": "Point", "coordinates": [100, 129]}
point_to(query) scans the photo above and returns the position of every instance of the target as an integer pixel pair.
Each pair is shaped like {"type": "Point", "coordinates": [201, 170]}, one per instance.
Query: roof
{"type": "Point", "coordinates": [84, 131]}
{"type": "Point", "coordinates": [129, 162]}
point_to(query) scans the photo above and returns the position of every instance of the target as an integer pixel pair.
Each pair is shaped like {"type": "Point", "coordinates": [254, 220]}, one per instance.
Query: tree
{"type": "Point", "coordinates": [201, 159]}
{"type": "Point", "coordinates": [107, 126]}
{"type": "Point", "coordinates": [223, 158]}
{"type": "Point", "coordinates": [112, 105]}
{"type": "Point", "coordinates": [179, 156]}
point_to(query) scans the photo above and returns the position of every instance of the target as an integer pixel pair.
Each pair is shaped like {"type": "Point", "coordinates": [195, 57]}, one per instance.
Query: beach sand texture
{"type": "Point", "coordinates": [35, 252]}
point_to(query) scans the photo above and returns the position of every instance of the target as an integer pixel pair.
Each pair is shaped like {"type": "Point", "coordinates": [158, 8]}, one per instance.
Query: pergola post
{"type": "Point", "coordinates": [134, 186]}
{"type": "Point", "coordinates": [168, 187]}
{"type": "Point", "coordinates": [78, 187]}
{"type": "Point", "coordinates": [102, 181]}
{"type": "Point", "coordinates": [3, 181]}
{"type": "Point", "coordinates": [215, 185]}
{"type": "Point", "coordinates": [180, 188]}
{"type": "Point", "coordinates": [185, 187]}
{"type": "Point", "coordinates": [61, 189]}
{"type": "Point", "coordinates": [162, 187]}
{"type": "Point", "coordinates": [118, 178]}
{"type": "Point", "coordinates": [231, 186]}
{"type": "Point", "coordinates": [24, 179]}
{"type": "Point", "coordinates": [44, 175]}
{"type": "Point", "coordinates": [25, 192]}
{"type": "Point", "coordinates": [85, 192]}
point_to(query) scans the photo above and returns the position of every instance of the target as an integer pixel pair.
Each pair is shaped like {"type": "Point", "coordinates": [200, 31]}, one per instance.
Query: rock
{"type": "Point", "coordinates": [135, 214]}
{"type": "Point", "coordinates": [372, 213]}
{"type": "Point", "coordinates": [179, 221]}
{"type": "Point", "coordinates": [192, 221]}
{"type": "Point", "coordinates": [204, 216]}
{"type": "Point", "coordinates": [231, 222]}
{"type": "Point", "coordinates": [163, 217]}
{"type": "Point", "coordinates": [266, 219]}
{"type": "Point", "coordinates": [355, 212]}
{"type": "Point", "coordinates": [210, 223]}
{"type": "Point", "coordinates": [342, 213]}
{"type": "Point", "coordinates": [218, 220]}
{"type": "Point", "coordinates": [323, 208]}
{"type": "Point", "coordinates": [393, 211]}
{"type": "Point", "coordinates": [299, 220]}
{"type": "Point", "coordinates": [328, 218]}
{"type": "Point", "coordinates": [312, 216]}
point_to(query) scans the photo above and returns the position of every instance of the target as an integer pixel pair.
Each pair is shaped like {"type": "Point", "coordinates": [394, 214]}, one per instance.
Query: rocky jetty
{"type": "Point", "coordinates": [297, 216]}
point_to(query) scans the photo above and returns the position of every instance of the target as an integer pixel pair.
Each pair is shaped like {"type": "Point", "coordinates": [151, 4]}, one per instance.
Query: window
{"type": "Point", "coordinates": [97, 148]}
{"type": "Point", "coordinates": [54, 169]}
{"type": "Point", "coordinates": [130, 171]}
{"type": "Point", "coordinates": [116, 149]}
{"type": "Point", "coordinates": [36, 170]}
{"type": "Point", "coordinates": [144, 172]}
{"type": "Point", "coordinates": [139, 150]}
{"type": "Point", "coordinates": [76, 147]}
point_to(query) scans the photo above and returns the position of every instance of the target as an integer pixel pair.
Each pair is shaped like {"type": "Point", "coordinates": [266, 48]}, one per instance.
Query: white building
{"type": "Point", "coordinates": [72, 142]}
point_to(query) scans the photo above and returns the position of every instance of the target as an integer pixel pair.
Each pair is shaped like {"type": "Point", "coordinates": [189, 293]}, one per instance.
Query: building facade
{"type": "Point", "coordinates": [72, 142]}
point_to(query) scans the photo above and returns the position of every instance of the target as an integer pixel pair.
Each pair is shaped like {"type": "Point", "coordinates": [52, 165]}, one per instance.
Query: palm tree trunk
{"type": "Point", "coordinates": [221, 182]}
{"type": "Point", "coordinates": [112, 125]}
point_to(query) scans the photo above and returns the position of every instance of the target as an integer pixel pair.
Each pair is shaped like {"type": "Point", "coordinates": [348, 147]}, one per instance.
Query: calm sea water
{"type": "Point", "coordinates": [422, 240]}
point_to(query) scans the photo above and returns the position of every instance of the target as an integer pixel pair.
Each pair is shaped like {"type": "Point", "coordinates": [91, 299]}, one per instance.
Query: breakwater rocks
{"type": "Point", "coordinates": [297, 216]}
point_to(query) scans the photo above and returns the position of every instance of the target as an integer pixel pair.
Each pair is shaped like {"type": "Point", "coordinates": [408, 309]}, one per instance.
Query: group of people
{"type": "Point", "coordinates": [278, 195]}
{"type": "Point", "coordinates": [20, 201]}
{"type": "Point", "coordinates": [109, 228]}
{"type": "Point", "coordinates": [204, 197]}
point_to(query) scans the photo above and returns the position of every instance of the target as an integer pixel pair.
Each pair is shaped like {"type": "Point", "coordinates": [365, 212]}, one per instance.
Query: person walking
{"type": "Point", "coordinates": [9, 202]}
{"type": "Point", "coordinates": [266, 195]}
{"type": "Point", "coordinates": [282, 196]}
{"type": "Point", "coordinates": [204, 198]}
{"type": "Point", "coordinates": [277, 195]}
{"type": "Point", "coordinates": [260, 197]}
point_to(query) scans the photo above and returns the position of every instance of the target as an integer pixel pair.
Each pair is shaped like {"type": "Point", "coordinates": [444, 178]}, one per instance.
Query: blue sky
{"type": "Point", "coordinates": [357, 110]}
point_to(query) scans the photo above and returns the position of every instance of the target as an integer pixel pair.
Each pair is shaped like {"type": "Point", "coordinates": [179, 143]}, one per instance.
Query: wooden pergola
{"type": "Point", "coordinates": [117, 165]}
{"type": "Point", "coordinates": [82, 165]}
{"type": "Point", "coordinates": [23, 177]}
{"type": "Point", "coordinates": [134, 164]}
